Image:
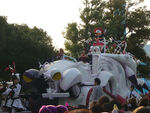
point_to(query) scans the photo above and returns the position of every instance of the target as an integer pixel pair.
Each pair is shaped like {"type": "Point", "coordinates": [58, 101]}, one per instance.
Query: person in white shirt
{"type": "Point", "coordinates": [131, 94]}
{"type": "Point", "coordinates": [97, 90]}
{"type": "Point", "coordinates": [13, 101]}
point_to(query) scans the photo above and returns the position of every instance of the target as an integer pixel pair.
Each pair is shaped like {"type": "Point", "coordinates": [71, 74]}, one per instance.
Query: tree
{"type": "Point", "coordinates": [23, 45]}
{"type": "Point", "coordinates": [88, 25]}
{"type": "Point", "coordinates": [72, 43]}
{"type": "Point", "coordinates": [122, 19]}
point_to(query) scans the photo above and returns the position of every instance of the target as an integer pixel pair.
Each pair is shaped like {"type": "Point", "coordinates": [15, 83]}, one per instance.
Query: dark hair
{"type": "Point", "coordinates": [114, 101]}
{"type": "Point", "coordinates": [133, 104]}
{"type": "Point", "coordinates": [102, 100]}
{"type": "Point", "coordinates": [48, 109]}
{"type": "Point", "coordinates": [79, 111]}
{"type": "Point", "coordinates": [93, 103]}
{"type": "Point", "coordinates": [124, 107]}
{"type": "Point", "coordinates": [14, 77]}
{"type": "Point", "coordinates": [143, 101]}
{"type": "Point", "coordinates": [61, 108]}
{"type": "Point", "coordinates": [96, 109]}
{"type": "Point", "coordinates": [97, 81]}
{"type": "Point", "coordinates": [106, 107]}
{"type": "Point", "coordinates": [132, 86]}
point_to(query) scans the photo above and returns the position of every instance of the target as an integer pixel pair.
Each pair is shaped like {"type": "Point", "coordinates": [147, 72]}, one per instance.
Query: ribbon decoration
{"type": "Point", "coordinates": [11, 69]}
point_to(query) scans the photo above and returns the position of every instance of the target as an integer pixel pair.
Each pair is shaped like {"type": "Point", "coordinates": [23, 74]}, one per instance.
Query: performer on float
{"type": "Point", "coordinates": [61, 54]}
{"type": "Point", "coordinates": [84, 57]}
{"type": "Point", "coordinates": [97, 90]}
{"type": "Point", "coordinates": [131, 94]}
{"type": "Point", "coordinates": [13, 102]}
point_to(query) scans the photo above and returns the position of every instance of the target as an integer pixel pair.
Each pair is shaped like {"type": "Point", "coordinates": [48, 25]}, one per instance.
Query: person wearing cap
{"type": "Point", "coordinates": [13, 102]}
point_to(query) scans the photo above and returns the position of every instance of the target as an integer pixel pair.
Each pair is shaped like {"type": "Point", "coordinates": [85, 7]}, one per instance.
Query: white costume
{"type": "Point", "coordinates": [12, 100]}
{"type": "Point", "coordinates": [132, 94]}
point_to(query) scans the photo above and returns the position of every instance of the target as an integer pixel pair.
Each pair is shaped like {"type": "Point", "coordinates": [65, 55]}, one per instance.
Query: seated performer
{"type": "Point", "coordinates": [60, 55]}
{"type": "Point", "coordinates": [13, 102]}
{"type": "Point", "coordinates": [84, 57]}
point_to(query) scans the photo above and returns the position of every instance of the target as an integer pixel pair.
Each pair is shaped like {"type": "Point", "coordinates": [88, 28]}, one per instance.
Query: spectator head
{"type": "Point", "coordinates": [143, 102]}
{"type": "Point", "coordinates": [102, 100]}
{"type": "Point", "coordinates": [97, 81]}
{"type": "Point", "coordinates": [132, 87]}
{"type": "Point", "coordinates": [79, 111]}
{"type": "Point", "coordinates": [48, 109]}
{"type": "Point", "coordinates": [61, 109]}
{"type": "Point", "coordinates": [93, 103]}
{"type": "Point", "coordinates": [16, 78]}
{"type": "Point", "coordinates": [96, 109]}
{"type": "Point", "coordinates": [141, 109]}
{"type": "Point", "coordinates": [132, 103]}
{"type": "Point", "coordinates": [113, 102]}
{"type": "Point", "coordinates": [124, 107]}
{"type": "Point", "coordinates": [106, 107]}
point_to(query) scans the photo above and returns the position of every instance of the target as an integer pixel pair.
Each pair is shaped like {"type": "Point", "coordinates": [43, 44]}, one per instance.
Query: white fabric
{"type": "Point", "coordinates": [96, 93]}
{"type": "Point", "coordinates": [105, 76]}
{"type": "Point", "coordinates": [129, 71]}
{"type": "Point", "coordinates": [18, 76]}
{"type": "Point", "coordinates": [114, 111]}
{"type": "Point", "coordinates": [13, 110]}
{"type": "Point", "coordinates": [14, 102]}
{"type": "Point", "coordinates": [133, 94]}
{"type": "Point", "coordinates": [6, 92]}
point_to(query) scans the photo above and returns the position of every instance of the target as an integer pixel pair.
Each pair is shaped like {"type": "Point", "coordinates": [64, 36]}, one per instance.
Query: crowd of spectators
{"type": "Point", "coordinates": [103, 105]}
{"type": "Point", "coordinates": [99, 103]}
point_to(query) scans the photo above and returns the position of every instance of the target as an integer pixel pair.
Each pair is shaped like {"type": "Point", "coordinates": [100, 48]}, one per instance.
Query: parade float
{"type": "Point", "coordinates": [69, 80]}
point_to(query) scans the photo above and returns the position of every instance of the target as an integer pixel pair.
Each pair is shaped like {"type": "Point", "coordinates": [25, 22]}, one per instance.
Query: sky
{"type": "Point", "coordinates": [50, 15]}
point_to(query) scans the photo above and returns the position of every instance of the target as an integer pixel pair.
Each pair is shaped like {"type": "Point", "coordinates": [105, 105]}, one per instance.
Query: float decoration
{"type": "Point", "coordinates": [12, 69]}
{"type": "Point", "coordinates": [74, 80]}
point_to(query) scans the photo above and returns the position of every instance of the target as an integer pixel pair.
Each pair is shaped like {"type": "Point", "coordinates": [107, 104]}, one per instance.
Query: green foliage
{"type": "Point", "coordinates": [143, 71]}
{"type": "Point", "coordinates": [73, 41]}
{"type": "Point", "coordinates": [23, 45]}
{"type": "Point", "coordinates": [122, 20]}
{"type": "Point", "coordinates": [115, 18]}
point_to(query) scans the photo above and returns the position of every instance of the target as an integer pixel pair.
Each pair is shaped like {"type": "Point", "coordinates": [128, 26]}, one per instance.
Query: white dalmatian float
{"type": "Point", "coordinates": [70, 81]}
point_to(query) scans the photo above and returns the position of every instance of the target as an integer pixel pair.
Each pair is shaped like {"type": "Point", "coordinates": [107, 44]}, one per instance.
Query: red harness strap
{"type": "Point", "coordinates": [88, 96]}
